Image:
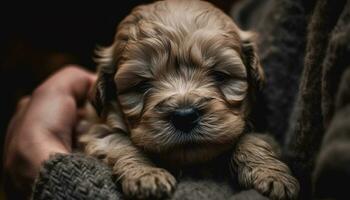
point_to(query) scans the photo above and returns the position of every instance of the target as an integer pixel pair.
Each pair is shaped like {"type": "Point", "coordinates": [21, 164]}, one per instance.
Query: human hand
{"type": "Point", "coordinates": [44, 125]}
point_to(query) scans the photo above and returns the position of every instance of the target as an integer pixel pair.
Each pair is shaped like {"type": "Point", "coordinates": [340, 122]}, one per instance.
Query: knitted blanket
{"type": "Point", "coordinates": [77, 176]}
{"type": "Point", "coordinates": [305, 51]}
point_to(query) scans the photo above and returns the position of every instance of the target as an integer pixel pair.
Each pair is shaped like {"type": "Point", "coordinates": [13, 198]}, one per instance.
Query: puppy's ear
{"type": "Point", "coordinates": [104, 90]}
{"type": "Point", "coordinates": [251, 60]}
{"type": "Point", "coordinates": [108, 59]}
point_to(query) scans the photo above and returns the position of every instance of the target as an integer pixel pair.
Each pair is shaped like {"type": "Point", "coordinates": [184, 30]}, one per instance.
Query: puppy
{"type": "Point", "coordinates": [178, 82]}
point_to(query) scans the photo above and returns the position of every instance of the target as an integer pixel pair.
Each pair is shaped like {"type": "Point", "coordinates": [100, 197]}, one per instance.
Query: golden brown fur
{"type": "Point", "coordinates": [168, 55]}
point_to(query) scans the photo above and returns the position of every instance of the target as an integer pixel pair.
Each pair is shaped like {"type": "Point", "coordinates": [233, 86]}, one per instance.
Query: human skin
{"type": "Point", "coordinates": [44, 124]}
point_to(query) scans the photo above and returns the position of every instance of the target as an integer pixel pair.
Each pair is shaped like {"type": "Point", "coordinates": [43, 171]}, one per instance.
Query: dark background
{"type": "Point", "coordinates": [37, 40]}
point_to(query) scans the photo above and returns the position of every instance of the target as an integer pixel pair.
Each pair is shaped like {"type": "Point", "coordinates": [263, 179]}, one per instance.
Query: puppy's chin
{"type": "Point", "coordinates": [193, 153]}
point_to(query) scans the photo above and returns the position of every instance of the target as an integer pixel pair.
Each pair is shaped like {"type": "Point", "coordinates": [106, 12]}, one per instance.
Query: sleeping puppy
{"type": "Point", "coordinates": [178, 82]}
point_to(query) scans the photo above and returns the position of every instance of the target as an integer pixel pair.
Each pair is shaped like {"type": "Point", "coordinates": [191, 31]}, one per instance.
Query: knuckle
{"type": "Point", "coordinates": [40, 90]}
{"type": "Point", "coordinates": [23, 101]}
{"type": "Point", "coordinates": [72, 69]}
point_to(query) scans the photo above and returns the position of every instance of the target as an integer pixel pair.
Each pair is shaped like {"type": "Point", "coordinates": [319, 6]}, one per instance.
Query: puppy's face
{"type": "Point", "coordinates": [181, 79]}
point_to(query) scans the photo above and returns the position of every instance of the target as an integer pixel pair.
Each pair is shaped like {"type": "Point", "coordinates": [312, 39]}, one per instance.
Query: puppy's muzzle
{"type": "Point", "coordinates": [185, 119]}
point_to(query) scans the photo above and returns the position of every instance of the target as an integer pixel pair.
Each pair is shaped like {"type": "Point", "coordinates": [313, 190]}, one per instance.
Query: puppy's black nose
{"type": "Point", "coordinates": [185, 119]}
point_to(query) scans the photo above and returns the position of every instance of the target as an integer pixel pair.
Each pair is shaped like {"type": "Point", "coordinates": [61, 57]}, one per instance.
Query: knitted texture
{"type": "Point", "coordinates": [75, 176]}
{"type": "Point", "coordinates": [248, 195]}
{"type": "Point", "coordinates": [189, 189]}
{"type": "Point", "coordinates": [78, 176]}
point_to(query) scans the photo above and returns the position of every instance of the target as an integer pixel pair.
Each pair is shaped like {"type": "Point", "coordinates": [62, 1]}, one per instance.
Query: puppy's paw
{"type": "Point", "coordinates": [275, 184]}
{"type": "Point", "coordinates": [148, 183]}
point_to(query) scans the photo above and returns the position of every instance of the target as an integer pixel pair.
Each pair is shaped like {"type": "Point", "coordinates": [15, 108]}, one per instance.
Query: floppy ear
{"type": "Point", "coordinates": [107, 60]}
{"type": "Point", "coordinates": [251, 60]}
{"type": "Point", "coordinates": [104, 89]}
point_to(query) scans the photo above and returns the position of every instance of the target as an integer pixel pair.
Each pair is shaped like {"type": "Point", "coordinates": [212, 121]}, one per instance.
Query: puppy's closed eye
{"type": "Point", "coordinates": [142, 86]}
{"type": "Point", "coordinates": [220, 77]}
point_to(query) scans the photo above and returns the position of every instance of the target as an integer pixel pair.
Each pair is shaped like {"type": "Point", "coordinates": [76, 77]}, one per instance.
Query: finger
{"type": "Point", "coordinates": [71, 80]}
{"type": "Point", "coordinates": [53, 109]}
{"type": "Point", "coordinates": [78, 82]}
{"type": "Point", "coordinates": [22, 104]}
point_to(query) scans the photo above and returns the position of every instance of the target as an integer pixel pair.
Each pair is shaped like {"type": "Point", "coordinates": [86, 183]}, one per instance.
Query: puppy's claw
{"type": "Point", "coordinates": [152, 183]}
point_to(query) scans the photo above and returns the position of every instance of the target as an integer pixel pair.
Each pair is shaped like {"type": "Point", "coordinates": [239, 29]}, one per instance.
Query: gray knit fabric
{"type": "Point", "coordinates": [77, 176]}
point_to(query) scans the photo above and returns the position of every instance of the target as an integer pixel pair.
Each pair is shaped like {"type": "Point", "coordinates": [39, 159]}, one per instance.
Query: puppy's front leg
{"type": "Point", "coordinates": [139, 178]}
{"type": "Point", "coordinates": [258, 167]}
